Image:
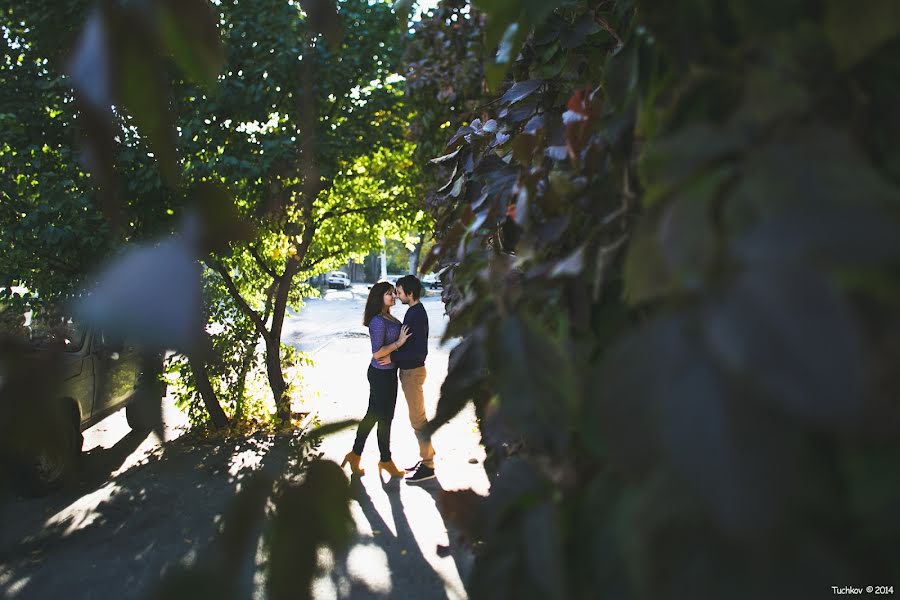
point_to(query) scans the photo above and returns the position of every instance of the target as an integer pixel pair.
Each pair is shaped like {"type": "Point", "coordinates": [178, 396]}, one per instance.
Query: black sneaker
{"type": "Point", "coordinates": [422, 473]}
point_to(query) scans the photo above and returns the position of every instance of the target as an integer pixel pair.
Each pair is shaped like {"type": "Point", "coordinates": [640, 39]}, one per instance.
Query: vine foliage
{"type": "Point", "coordinates": [674, 242]}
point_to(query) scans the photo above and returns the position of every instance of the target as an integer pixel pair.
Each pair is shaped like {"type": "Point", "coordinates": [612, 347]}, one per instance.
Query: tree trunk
{"type": "Point", "coordinates": [249, 352]}
{"type": "Point", "coordinates": [273, 341]}
{"type": "Point", "coordinates": [309, 171]}
{"type": "Point", "coordinates": [414, 258]}
{"type": "Point", "coordinates": [276, 377]}
{"type": "Point", "coordinates": [201, 380]}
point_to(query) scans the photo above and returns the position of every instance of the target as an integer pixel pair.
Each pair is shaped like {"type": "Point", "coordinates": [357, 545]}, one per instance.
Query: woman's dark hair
{"type": "Point", "coordinates": [375, 303]}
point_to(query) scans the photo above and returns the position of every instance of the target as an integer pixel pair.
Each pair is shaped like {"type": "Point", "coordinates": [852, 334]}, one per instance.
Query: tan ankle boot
{"type": "Point", "coordinates": [354, 458]}
{"type": "Point", "coordinates": [391, 468]}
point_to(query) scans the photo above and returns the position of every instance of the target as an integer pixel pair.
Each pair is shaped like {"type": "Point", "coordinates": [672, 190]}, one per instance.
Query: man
{"type": "Point", "coordinates": [410, 359]}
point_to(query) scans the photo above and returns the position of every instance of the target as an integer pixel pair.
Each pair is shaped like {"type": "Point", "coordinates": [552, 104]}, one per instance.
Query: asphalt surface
{"type": "Point", "coordinates": [137, 508]}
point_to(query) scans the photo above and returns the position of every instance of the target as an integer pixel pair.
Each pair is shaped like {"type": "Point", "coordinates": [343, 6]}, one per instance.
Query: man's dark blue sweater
{"type": "Point", "coordinates": [412, 354]}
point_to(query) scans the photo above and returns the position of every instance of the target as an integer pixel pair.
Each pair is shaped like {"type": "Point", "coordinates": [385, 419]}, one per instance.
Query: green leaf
{"type": "Point", "coordinates": [687, 237]}
{"type": "Point", "coordinates": [670, 161]}
{"type": "Point", "coordinates": [663, 405]}
{"type": "Point", "coordinates": [544, 522]}
{"type": "Point", "coordinates": [793, 338]}
{"type": "Point", "coordinates": [787, 175]}
{"type": "Point", "coordinates": [144, 94]}
{"type": "Point", "coordinates": [857, 29]}
{"type": "Point", "coordinates": [646, 275]}
{"type": "Point", "coordinates": [190, 33]}
{"type": "Point", "coordinates": [872, 495]}
{"type": "Point", "coordinates": [500, 14]}
{"type": "Point", "coordinates": [535, 378]}
{"type": "Point", "coordinates": [494, 74]}
{"type": "Point", "coordinates": [332, 428]}
{"type": "Point", "coordinates": [466, 374]}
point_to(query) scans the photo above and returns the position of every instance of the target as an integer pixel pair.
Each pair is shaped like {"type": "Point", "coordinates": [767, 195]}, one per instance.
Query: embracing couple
{"type": "Point", "coordinates": [396, 348]}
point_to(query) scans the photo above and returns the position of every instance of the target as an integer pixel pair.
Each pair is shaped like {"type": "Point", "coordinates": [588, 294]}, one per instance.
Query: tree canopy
{"type": "Point", "coordinates": [303, 134]}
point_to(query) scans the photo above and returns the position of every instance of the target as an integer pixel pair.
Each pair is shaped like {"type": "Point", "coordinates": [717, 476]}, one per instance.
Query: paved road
{"type": "Point", "coordinates": [138, 507]}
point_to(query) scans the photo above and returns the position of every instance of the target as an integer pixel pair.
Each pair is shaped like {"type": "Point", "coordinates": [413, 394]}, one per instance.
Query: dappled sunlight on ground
{"type": "Point", "coordinates": [369, 563]}
{"type": "Point", "coordinates": [242, 460]}
{"type": "Point", "coordinates": [365, 528]}
{"type": "Point", "coordinates": [12, 585]}
{"type": "Point", "coordinates": [399, 547]}
{"type": "Point", "coordinates": [81, 513]}
{"type": "Point", "coordinates": [121, 527]}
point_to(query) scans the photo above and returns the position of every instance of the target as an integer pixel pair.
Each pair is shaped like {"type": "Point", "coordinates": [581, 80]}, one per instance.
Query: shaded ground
{"type": "Point", "coordinates": [137, 508]}
{"type": "Point", "coordinates": [108, 537]}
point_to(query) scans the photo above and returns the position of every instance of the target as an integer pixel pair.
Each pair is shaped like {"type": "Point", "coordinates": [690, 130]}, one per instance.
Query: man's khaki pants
{"type": "Point", "coordinates": [412, 381]}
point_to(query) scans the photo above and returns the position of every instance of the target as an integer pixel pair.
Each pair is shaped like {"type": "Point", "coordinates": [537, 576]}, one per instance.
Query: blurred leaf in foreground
{"type": "Point", "coordinates": [307, 516]}
{"type": "Point", "coordinates": [151, 293]}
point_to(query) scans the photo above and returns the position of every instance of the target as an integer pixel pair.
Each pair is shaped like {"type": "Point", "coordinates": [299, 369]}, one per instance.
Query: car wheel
{"type": "Point", "coordinates": [144, 411]}
{"type": "Point", "coordinates": [50, 464]}
{"type": "Point", "coordinates": [134, 415]}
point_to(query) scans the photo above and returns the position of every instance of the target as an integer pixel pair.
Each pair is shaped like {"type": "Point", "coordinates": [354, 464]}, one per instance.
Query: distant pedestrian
{"type": "Point", "coordinates": [386, 335]}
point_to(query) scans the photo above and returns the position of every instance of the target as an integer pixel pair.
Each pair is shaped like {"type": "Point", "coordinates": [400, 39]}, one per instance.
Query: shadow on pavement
{"type": "Point", "coordinates": [91, 472]}
{"type": "Point", "coordinates": [409, 572]}
{"type": "Point", "coordinates": [100, 537]}
{"type": "Point", "coordinates": [457, 548]}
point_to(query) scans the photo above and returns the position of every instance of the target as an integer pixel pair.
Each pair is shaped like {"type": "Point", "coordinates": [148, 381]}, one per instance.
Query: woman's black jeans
{"type": "Point", "coordinates": [382, 400]}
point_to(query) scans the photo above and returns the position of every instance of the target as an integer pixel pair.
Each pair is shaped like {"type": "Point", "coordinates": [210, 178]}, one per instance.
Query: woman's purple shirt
{"type": "Point", "coordinates": [382, 331]}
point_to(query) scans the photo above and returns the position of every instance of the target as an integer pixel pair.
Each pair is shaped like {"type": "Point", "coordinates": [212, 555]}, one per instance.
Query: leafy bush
{"type": "Point", "coordinates": [235, 367]}
{"type": "Point", "coordinates": [675, 248]}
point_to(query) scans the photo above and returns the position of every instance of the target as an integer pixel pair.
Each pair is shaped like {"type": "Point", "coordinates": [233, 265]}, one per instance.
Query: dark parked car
{"type": "Point", "coordinates": [100, 374]}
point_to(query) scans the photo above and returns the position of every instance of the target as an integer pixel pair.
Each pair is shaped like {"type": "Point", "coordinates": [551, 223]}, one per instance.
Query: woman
{"type": "Point", "coordinates": [386, 335]}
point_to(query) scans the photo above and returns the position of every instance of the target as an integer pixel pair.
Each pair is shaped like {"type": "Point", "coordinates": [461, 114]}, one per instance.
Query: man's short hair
{"type": "Point", "coordinates": [411, 286]}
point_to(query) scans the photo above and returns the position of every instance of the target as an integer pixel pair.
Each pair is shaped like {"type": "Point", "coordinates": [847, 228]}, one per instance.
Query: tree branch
{"type": "Point", "coordinates": [262, 264]}
{"type": "Point", "coordinates": [270, 297]}
{"type": "Point", "coordinates": [333, 215]}
{"type": "Point", "coordinates": [605, 25]}
{"type": "Point", "coordinates": [310, 265]}
{"type": "Point", "coordinates": [339, 100]}
{"type": "Point", "coordinates": [236, 295]}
